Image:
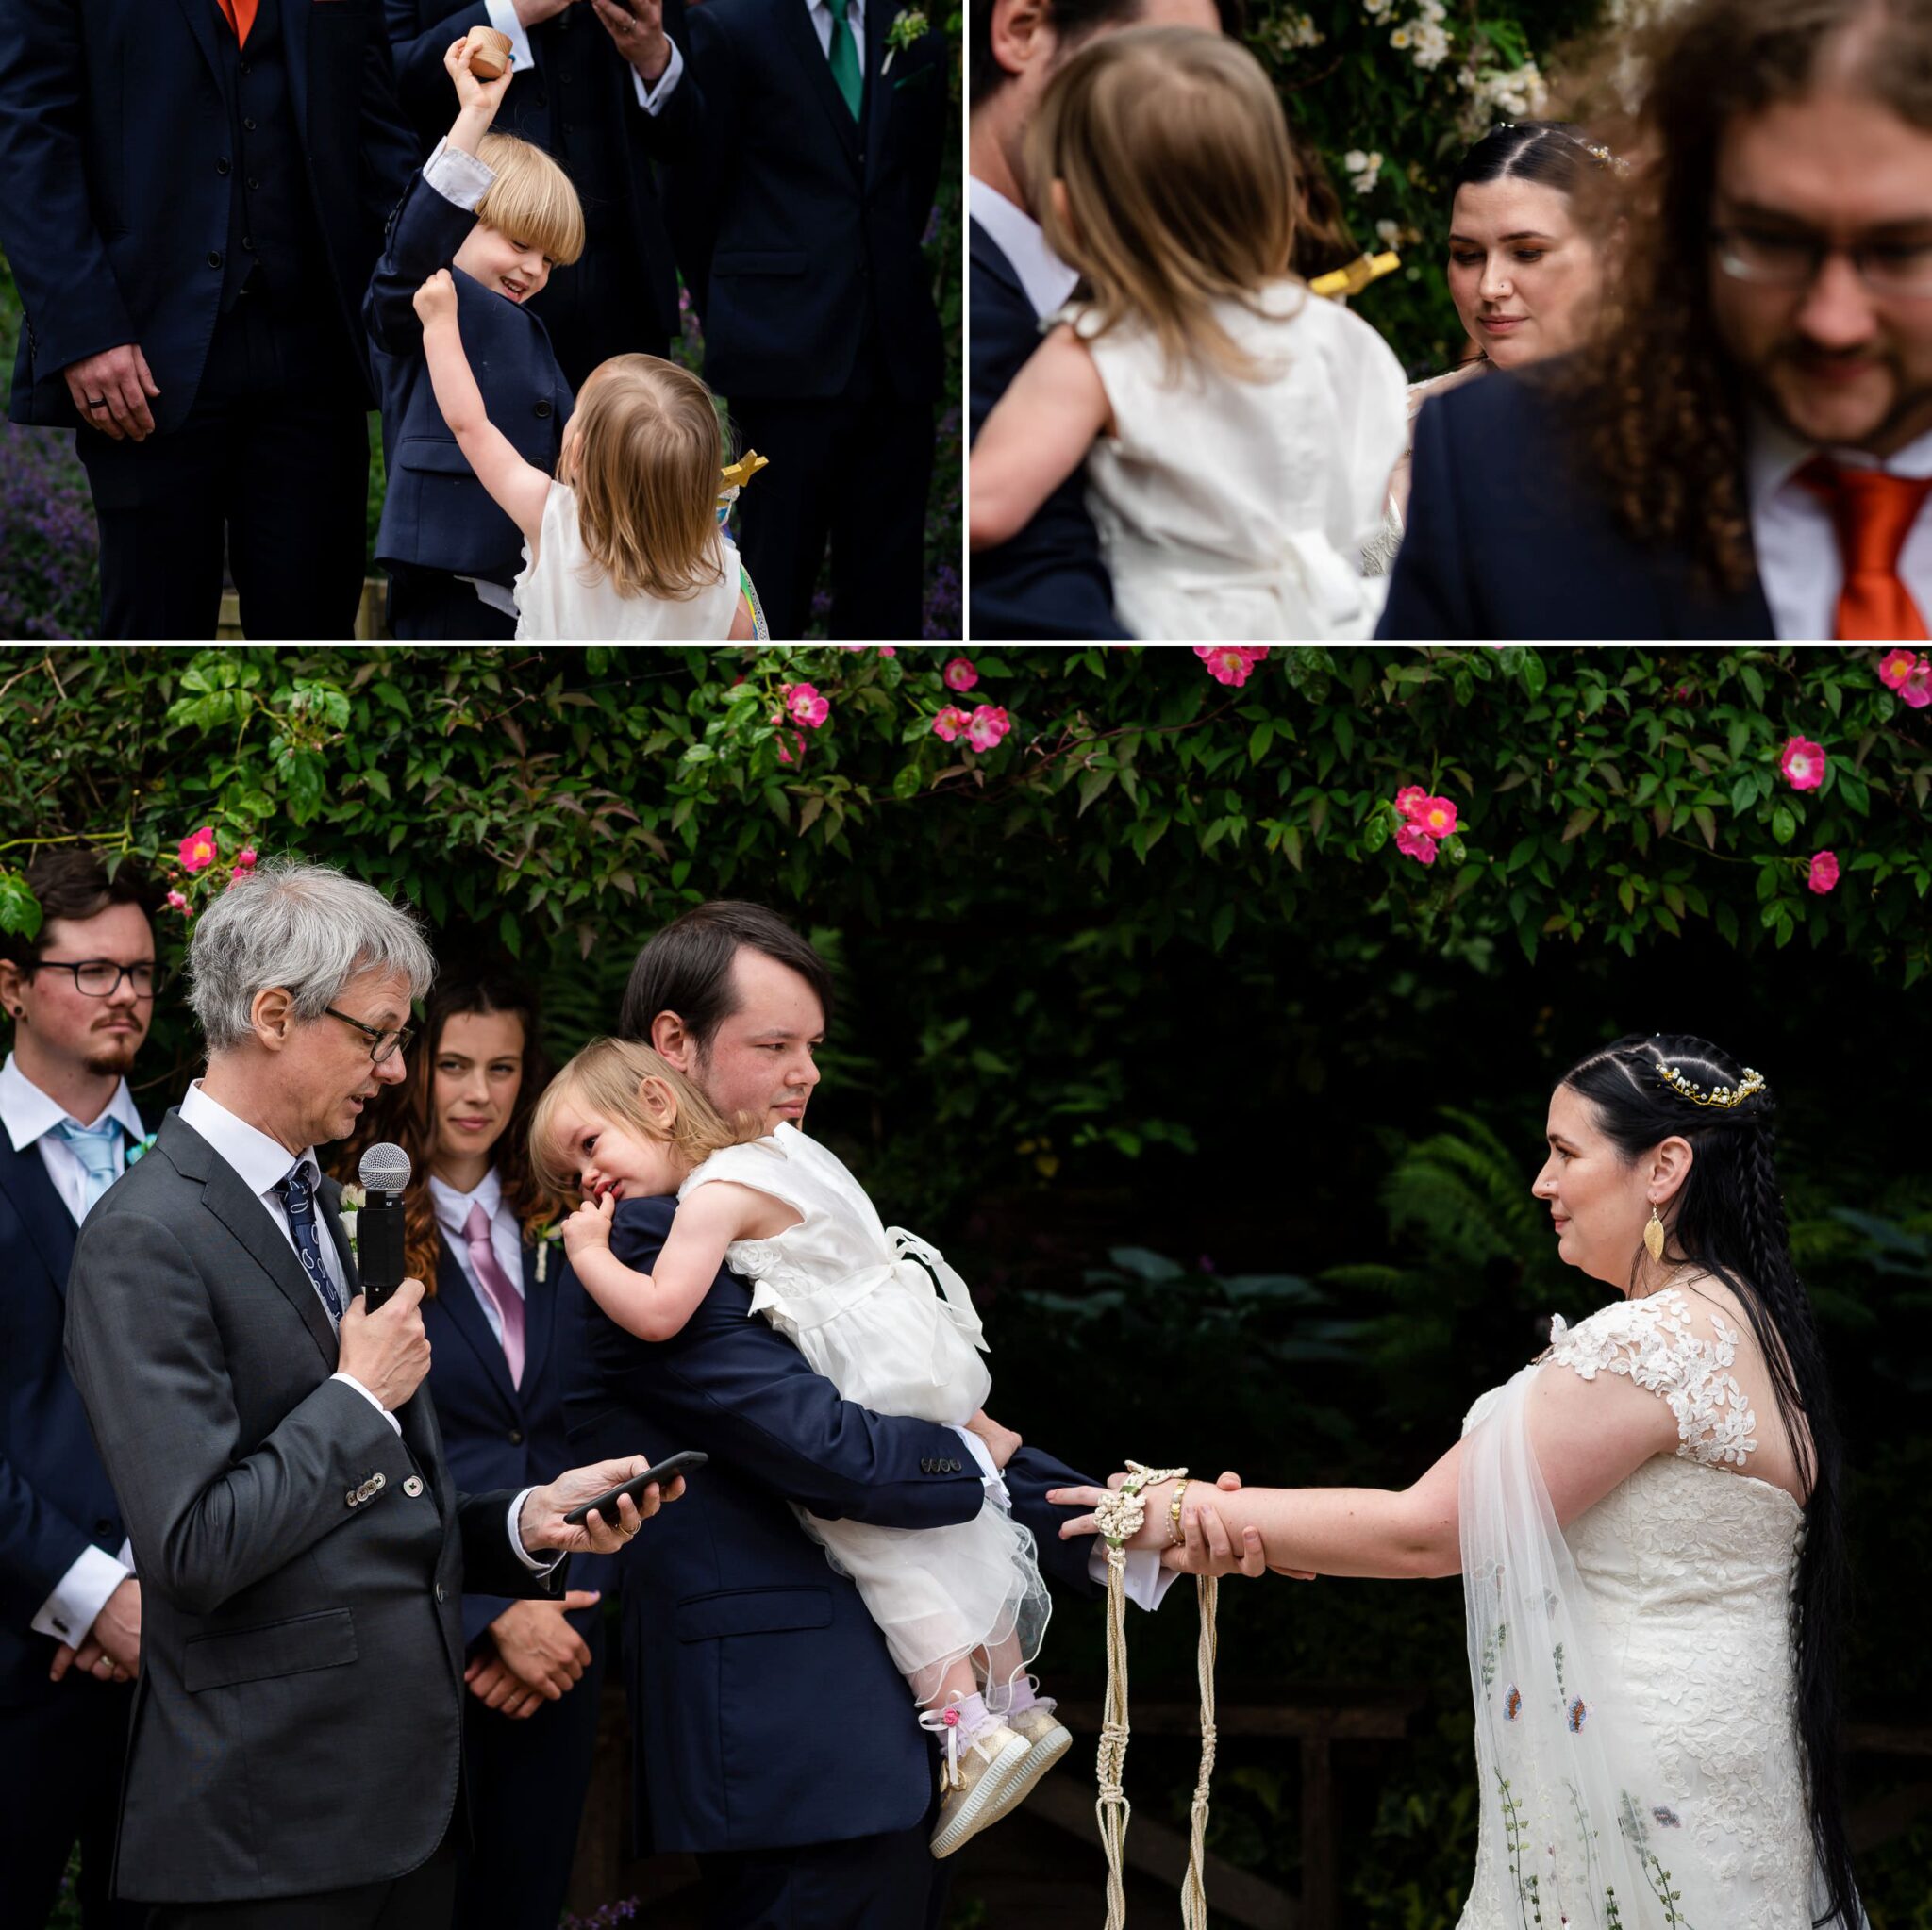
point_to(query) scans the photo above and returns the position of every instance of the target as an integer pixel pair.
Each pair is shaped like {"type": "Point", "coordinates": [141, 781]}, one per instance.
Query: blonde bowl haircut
{"type": "Point", "coordinates": [532, 199]}
{"type": "Point", "coordinates": [1172, 154]}
{"type": "Point", "coordinates": [647, 449]}
{"type": "Point", "coordinates": [607, 1078]}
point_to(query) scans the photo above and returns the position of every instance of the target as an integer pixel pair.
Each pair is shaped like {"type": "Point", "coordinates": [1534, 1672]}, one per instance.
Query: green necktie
{"type": "Point", "coordinates": [844, 57]}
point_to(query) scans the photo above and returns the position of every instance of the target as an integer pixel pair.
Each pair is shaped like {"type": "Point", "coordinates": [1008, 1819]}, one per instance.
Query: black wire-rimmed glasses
{"type": "Point", "coordinates": [100, 978]}
{"type": "Point", "coordinates": [383, 1045]}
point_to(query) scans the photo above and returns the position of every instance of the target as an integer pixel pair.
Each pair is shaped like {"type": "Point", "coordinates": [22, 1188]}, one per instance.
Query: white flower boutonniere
{"type": "Point", "coordinates": [551, 1237]}
{"type": "Point", "coordinates": [909, 24]}
{"type": "Point", "coordinates": [352, 1202]}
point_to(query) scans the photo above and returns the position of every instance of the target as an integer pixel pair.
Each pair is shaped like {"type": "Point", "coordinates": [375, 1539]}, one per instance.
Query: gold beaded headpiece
{"type": "Point", "coordinates": [1726, 1096]}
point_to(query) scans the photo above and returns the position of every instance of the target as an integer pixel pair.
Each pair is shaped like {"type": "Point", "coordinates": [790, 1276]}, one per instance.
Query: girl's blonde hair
{"type": "Point", "coordinates": [1162, 167]}
{"type": "Point", "coordinates": [532, 199]}
{"type": "Point", "coordinates": [613, 1077]}
{"type": "Point", "coordinates": [648, 449]}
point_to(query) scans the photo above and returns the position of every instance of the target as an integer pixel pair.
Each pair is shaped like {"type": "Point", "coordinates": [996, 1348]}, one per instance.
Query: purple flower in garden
{"type": "Point", "coordinates": [51, 585]}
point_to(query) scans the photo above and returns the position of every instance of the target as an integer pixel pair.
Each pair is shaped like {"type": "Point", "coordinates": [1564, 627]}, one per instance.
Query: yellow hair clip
{"type": "Point", "coordinates": [1353, 279]}
{"type": "Point", "coordinates": [742, 471]}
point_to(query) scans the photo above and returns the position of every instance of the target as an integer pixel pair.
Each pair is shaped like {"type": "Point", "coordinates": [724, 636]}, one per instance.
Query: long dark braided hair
{"type": "Point", "coordinates": [1729, 1218]}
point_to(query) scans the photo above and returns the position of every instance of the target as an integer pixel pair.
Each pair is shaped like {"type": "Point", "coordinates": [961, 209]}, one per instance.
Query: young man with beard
{"type": "Point", "coordinates": [80, 996]}
{"type": "Point", "coordinates": [1747, 452]}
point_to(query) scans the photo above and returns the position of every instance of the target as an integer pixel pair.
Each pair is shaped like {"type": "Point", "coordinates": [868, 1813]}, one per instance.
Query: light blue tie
{"type": "Point", "coordinates": [98, 1148]}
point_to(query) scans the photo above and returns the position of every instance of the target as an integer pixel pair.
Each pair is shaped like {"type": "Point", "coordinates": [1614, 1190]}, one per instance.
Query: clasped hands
{"type": "Point", "coordinates": [636, 27]}
{"type": "Point", "coordinates": [1209, 1544]}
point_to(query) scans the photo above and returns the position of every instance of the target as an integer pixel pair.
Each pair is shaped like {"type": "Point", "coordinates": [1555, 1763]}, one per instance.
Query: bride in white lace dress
{"type": "Point", "coordinates": [1646, 1521]}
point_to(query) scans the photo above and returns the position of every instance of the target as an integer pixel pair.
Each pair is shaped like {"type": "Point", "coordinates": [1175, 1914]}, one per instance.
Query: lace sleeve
{"type": "Point", "coordinates": [1655, 1342]}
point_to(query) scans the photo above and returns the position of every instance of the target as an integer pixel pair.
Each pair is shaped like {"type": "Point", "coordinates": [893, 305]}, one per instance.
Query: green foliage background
{"type": "Point", "coordinates": [1227, 1108]}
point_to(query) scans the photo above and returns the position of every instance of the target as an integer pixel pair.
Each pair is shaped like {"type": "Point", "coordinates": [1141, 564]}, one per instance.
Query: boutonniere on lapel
{"type": "Point", "coordinates": [550, 1237]}
{"type": "Point", "coordinates": [352, 1202]}
{"type": "Point", "coordinates": [140, 1149]}
{"type": "Point", "coordinates": [909, 24]}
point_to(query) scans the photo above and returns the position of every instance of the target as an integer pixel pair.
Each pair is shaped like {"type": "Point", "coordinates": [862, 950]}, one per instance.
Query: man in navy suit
{"type": "Point", "coordinates": [1050, 581]}
{"type": "Point", "coordinates": [192, 197]}
{"type": "Point", "coordinates": [80, 994]}
{"type": "Point", "coordinates": [773, 1737]}
{"type": "Point", "coordinates": [825, 124]}
{"type": "Point", "coordinates": [1748, 453]}
{"type": "Point", "coordinates": [597, 84]}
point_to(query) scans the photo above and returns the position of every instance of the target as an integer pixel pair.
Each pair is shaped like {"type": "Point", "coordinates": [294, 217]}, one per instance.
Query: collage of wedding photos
{"type": "Point", "coordinates": [1208, 321]}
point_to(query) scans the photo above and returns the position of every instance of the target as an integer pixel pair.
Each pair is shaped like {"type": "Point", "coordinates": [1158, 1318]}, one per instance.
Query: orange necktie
{"type": "Point", "coordinates": [1874, 513]}
{"type": "Point", "coordinates": [240, 16]}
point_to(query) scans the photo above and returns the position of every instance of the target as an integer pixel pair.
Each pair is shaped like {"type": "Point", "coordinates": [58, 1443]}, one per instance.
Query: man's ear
{"type": "Point", "coordinates": [672, 1042]}
{"type": "Point", "coordinates": [1022, 33]}
{"type": "Point", "coordinates": [12, 980]}
{"type": "Point", "coordinates": [272, 1017]}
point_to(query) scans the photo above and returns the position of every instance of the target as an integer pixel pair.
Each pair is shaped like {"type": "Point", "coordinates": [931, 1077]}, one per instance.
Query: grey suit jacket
{"type": "Point", "coordinates": [298, 1724]}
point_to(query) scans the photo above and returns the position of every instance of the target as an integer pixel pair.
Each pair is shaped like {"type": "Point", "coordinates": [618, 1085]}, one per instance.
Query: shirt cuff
{"type": "Point", "coordinates": [996, 1487]}
{"type": "Point", "coordinates": [1147, 1582]}
{"type": "Point", "coordinates": [652, 97]}
{"type": "Point", "coordinates": [516, 1538]}
{"type": "Point", "coordinates": [80, 1595]}
{"type": "Point", "coordinates": [503, 17]}
{"type": "Point", "coordinates": [349, 1380]}
{"type": "Point", "coordinates": [460, 178]}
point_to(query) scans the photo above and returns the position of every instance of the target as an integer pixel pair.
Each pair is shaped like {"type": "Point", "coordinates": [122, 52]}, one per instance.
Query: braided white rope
{"type": "Point", "coordinates": [1121, 1514]}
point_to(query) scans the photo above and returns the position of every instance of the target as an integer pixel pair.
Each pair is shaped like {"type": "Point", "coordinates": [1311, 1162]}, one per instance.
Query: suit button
{"type": "Point", "coordinates": [253, 182]}
{"type": "Point", "coordinates": [412, 1487]}
{"type": "Point", "coordinates": [248, 243]}
{"type": "Point", "coordinates": [352, 1497]}
{"type": "Point", "coordinates": [246, 69]}
{"type": "Point", "coordinates": [214, 257]}
{"type": "Point", "coordinates": [542, 100]}
{"type": "Point", "coordinates": [516, 1437]}
{"type": "Point", "coordinates": [221, 164]}
{"type": "Point", "coordinates": [439, 1592]}
{"type": "Point", "coordinates": [543, 412]}
{"type": "Point", "coordinates": [248, 127]}
{"type": "Point", "coordinates": [104, 1527]}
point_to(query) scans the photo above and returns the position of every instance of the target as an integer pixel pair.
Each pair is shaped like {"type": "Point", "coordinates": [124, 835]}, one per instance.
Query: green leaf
{"type": "Point", "coordinates": [1579, 821]}
{"type": "Point", "coordinates": [1783, 826]}
{"type": "Point", "coordinates": [1259, 739]}
{"type": "Point", "coordinates": [20, 910]}
{"type": "Point", "coordinates": [1705, 820]}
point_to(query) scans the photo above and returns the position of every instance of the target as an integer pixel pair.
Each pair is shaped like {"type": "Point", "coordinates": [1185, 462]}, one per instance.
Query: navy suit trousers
{"type": "Point", "coordinates": [870, 1883]}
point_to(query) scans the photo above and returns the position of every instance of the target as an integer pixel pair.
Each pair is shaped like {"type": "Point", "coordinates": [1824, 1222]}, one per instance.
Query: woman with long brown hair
{"type": "Point", "coordinates": [498, 1309]}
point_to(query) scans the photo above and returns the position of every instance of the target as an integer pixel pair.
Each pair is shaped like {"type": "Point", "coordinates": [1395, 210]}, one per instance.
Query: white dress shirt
{"type": "Point", "coordinates": [821, 12]}
{"type": "Point", "coordinates": [1048, 281]}
{"type": "Point", "coordinates": [29, 1116]}
{"type": "Point", "coordinates": [1798, 554]}
{"type": "Point", "coordinates": [503, 17]}
{"type": "Point", "coordinates": [505, 1237]}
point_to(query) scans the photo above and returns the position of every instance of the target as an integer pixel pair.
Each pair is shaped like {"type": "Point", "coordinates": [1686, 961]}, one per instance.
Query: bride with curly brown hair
{"type": "Point", "coordinates": [1744, 449]}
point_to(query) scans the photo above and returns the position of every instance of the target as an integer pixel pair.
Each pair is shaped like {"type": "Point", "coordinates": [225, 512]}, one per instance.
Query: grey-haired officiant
{"type": "Point", "coordinates": [294, 1755]}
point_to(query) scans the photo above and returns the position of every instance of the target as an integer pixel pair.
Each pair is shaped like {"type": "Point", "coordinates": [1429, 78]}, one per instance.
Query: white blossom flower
{"type": "Point", "coordinates": [1294, 31]}
{"type": "Point", "coordinates": [1400, 39]}
{"type": "Point", "coordinates": [1389, 233]}
{"type": "Point", "coordinates": [1364, 169]}
{"type": "Point", "coordinates": [1431, 45]}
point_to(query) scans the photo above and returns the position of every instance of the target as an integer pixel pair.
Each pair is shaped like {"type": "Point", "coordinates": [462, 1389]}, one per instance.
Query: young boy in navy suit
{"type": "Point", "coordinates": [500, 214]}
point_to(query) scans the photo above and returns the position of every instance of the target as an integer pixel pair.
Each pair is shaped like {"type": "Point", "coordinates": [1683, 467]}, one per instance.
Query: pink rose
{"type": "Point", "coordinates": [1436, 816]}
{"type": "Point", "coordinates": [987, 727]}
{"type": "Point", "coordinates": [1802, 764]}
{"type": "Point", "coordinates": [1416, 843]}
{"type": "Point", "coordinates": [949, 722]}
{"type": "Point", "coordinates": [179, 904]}
{"type": "Point", "coordinates": [1917, 688]}
{"type": "Point", "coordinates": [1894, 667]}
{"type": "Point", "coordinates": [806, 706]}
{"type": "Point", "coordinates": [1822, 877]}
{"type": "Point", "coordinates": [1410, 800]}
{"type": "Point", "coordinates": [960, 674]}
{"type": "Point", "coordinates": [197, 850]}
{"type": "Point", "coordinates": [785, 751]}
{"type": "Point", "coordinates": [1231, 663]}
{"type": "Point", "coordinates": [245, 859]}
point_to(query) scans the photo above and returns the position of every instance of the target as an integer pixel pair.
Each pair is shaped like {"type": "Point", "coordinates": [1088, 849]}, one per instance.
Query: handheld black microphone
{"type": "Point", "coordinates": [384, 1171]}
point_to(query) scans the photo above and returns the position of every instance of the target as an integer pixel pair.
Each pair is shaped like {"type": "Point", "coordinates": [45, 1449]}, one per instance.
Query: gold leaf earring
{"type": "Point", "coordinates": [1653, 1236]}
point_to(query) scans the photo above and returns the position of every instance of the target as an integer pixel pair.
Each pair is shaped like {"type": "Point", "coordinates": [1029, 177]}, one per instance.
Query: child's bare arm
{"type": "Point", "coordinates": [656, 1306]}
{"type": "Point", "coordinates": [1038, 434]}
{"type": "Point", "coordinates": [742, 625]}
{"type": "Point", "coordinates": [518, 487]}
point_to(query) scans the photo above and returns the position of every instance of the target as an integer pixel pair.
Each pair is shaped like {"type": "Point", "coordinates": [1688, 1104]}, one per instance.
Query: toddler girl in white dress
{"type": "Point", "coordinates": [883, 1317]}
{"type": "Point", "coordinates": [625, 544]}
{"type": "Point", "coordinates": [1239, 432]}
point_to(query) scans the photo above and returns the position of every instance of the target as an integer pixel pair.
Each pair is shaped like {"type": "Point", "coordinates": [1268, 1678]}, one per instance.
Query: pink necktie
{"type": "Point", "coordinates": [508, 1302]}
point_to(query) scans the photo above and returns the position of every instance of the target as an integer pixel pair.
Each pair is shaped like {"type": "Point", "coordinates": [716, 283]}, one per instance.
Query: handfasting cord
{"type": "Point", "coordinates": [1120, 1514]}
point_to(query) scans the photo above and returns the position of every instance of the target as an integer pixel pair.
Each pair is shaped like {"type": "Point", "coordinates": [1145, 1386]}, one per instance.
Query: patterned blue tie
{"type": "Point", "coordinates": [98, 1148]}
{"type": "Point", "coordinates": [298, 1196]}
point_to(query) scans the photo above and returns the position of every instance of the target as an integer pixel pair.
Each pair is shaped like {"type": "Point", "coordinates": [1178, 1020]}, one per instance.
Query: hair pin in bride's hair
{"type": "Point", "coordinates": [1718, 1095]}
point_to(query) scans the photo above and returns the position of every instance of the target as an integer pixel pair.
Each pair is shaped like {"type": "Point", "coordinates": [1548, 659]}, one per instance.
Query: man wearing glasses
{"type": "Point", "coordinates": [79, 995]}
{"type": "Point", "coordinates": [294, 1758]}
{"type": "Point", "coordinates": [1747, 450]}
